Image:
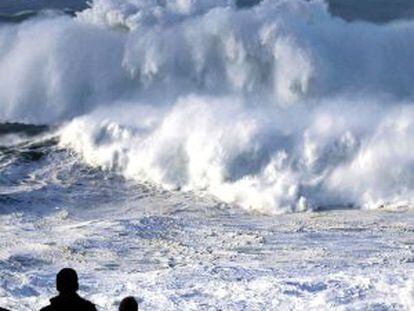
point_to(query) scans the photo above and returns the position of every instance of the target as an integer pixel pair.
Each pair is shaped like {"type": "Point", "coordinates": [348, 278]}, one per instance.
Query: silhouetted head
{"type": "Point", "coordinates": [128, 304]}
{"type": "Point", "coordinates": [67, 281]}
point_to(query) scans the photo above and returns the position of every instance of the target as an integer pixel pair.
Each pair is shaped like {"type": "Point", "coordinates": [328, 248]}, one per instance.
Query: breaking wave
{"type": "Point", "coordinates": [275, 107]}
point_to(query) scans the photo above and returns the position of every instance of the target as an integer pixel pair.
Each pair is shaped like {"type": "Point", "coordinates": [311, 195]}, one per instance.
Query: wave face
{"type": "Point", "coordinates": [276, 107]}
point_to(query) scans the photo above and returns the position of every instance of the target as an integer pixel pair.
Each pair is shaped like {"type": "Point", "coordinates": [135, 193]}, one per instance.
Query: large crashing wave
{"type": "Point", "coordinates": [278, 107]}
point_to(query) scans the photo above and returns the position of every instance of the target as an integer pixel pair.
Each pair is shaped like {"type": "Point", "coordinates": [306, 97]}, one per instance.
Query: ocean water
{"type": "Point", "coordinates": [208, 154]}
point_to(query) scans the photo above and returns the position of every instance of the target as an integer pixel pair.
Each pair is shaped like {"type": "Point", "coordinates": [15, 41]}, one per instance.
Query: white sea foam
{"type": "Point", "coordinates": [279, 107]}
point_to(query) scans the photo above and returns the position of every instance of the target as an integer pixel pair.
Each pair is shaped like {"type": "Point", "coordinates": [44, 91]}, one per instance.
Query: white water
{"type": "Point", "coordinates": [273, 109]}
{"type": "Point", "coordinates": [280, 107]}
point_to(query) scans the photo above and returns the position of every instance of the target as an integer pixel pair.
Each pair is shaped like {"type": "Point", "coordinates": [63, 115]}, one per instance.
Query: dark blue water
{"type": "Point", "coordinates": [15, 6]}
{"type": "Point", "coordinates": [370, 10]}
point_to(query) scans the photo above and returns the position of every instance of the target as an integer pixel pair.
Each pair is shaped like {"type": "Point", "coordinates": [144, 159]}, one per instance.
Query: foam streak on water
{"type": "Point", "coordinates": [178, 251]}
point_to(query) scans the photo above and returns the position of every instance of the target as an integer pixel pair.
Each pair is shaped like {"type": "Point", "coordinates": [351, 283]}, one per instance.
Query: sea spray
{"type": "Point", "coordinates": [277, 107]}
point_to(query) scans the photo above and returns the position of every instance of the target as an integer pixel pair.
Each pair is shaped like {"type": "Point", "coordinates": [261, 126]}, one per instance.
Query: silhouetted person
{"type": "Point", "coordinates": [68, 300]}
{"type": "Point", "coordinates": [2, 309]}
{"type": "Point", "coordinates": [128, 304]}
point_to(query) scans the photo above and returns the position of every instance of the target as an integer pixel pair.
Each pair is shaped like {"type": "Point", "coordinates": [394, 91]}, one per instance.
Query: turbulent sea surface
{"type": "Point", "coordinates": [208, 154]}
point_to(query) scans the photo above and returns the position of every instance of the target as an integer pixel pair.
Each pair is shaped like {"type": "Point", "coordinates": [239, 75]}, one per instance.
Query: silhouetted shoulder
{"type": "Point", "coordinates": [90, 306]}
{"type": "Point", "coordinates": [68, 300]}
{"type": "Point", "coordinates": [2, 309]}
{"type": "Point", "coordinates": [72, 302]}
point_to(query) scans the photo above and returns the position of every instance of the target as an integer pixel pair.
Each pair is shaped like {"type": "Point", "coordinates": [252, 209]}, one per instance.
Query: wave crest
{"type": "Point", "coordinates": [277, 107]}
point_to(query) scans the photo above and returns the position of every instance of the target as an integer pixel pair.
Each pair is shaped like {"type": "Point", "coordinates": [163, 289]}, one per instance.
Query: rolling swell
{"type": "Point", "coordinates": [24, 143]}
{"type": "Point", "coordinates": [21, 128]}
{"type": "Point", "coordinates": [36, 175]}
{"type": "Point", "coordinates": [26, 15]}
{"type": "Point", "coordinates": [13, 7]}
{"type": "Point", "coordinates": [17, 17]}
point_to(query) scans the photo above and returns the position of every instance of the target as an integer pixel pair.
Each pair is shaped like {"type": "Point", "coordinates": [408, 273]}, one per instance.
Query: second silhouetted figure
{"type": "Point", "coordinates": [67, 286]}
{"type": "Point", "coordinates": [128, 304]}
